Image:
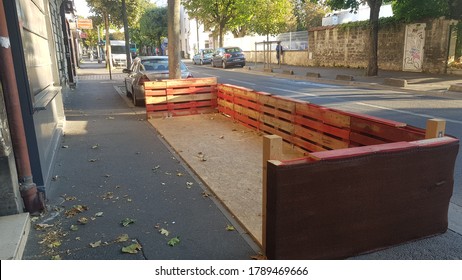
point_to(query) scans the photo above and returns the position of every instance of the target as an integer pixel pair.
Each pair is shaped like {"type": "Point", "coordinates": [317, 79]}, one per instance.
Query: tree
{"type": "Point", "coordinates": [272, 17]}
{"type": "Point", "coordinates": [313, 12]}
{"type": "Point", "coordinates": [222, 15]}
{"type": "Point", "coordinates": [374, 5]}
{"type": "Point", "coordinates": [153, 26]}
{"type": "Point", "coordinates": [412, 10]}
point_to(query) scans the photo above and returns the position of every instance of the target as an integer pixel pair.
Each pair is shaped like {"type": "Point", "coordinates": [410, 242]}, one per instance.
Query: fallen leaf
{"type": "Point", "coordinates": [204, 194]}
{"type": "Point", "coordinates": [92, 160]}
{"type": "Point", "coordinates": [132, 249]}
{"type": "Point", "coordinates": [99, 214]}
{"type": "Point", "coordinates": [56, 257]}
{"type": "Point", "coordinates": [54, 178]}
{"type": "Point", "coordinates": [122, 238]}
{"type": "Point", "coordinates": [156, 167]}
{"type": "Point", "coordinates": [127, 221]}
{"type": "Point", "coordinates": [222, 137]}
{"type": "Point", "coordinates": [110, 118]}
{"type": "Point", "coordinates": [95, 146]}
{"type": "Point", "coordinates": [42, 226]}
{"type": "Point", "coordinates": [230, 228]}
{"type": "Point", "coordinates": [70, 198]}
{"type": "Point", "coordinates": [179, 174]}
{"type": "Point", "coordinates": [77, 238]}
{"type": "Point", "coordinates": [54, 244]}
{"type": "Point", "coordinates": [64, 146]}
{"type": "Point", "coordinates": [83, 220]}
{"type": "Point", "coordinates": [189, 184]}
{"type": "Point", "coordinates": [95, 244]}
{"type": "Point", "coordinates": [163, 231]}
{"type": "Point", "coordinates": [174, 241]}
{"type": "Point", "coordinates": [129, 200]}
{"type": "Point", "coordinates": [76, 209]}
{"type": "Point", "coordinates": [108, 195]}
{"type": "Point", "coordinates": [107, 175]}
{"type": "Point", "coordinates": [74, 227]}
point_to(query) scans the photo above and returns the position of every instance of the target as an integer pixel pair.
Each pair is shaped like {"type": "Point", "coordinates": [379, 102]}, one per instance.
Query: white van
{"type": "Point", "coordinates": [118, 53]}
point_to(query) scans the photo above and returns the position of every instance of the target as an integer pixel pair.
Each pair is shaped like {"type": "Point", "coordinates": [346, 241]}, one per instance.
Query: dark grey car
{"type": "Point", "coordinates": [228, 56]}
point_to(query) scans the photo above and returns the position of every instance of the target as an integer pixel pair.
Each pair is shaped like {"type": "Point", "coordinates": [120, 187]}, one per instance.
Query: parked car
{"type": "Point", "coordinates": [228, 56]}
{"type": "Point", "coordinates": [148, 68]}
{"type": "Point", "coordinates": [204, 56]}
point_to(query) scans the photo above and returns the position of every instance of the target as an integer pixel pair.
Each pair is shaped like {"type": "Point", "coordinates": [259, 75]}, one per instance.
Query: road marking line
{"type": "Point", "coordinates": [408, 113]}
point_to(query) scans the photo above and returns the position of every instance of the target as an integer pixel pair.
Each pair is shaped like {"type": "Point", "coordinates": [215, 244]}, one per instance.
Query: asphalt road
{"type": "Point", "coordinates": [413, 109]}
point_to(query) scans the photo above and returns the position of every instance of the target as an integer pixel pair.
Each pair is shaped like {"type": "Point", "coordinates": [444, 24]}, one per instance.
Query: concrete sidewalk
{"type": "Point", "coordinates": [117, 185]}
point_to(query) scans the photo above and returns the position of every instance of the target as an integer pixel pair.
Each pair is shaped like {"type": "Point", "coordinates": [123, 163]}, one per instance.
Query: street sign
{"type": "Point", "coordinates": [83, 23]}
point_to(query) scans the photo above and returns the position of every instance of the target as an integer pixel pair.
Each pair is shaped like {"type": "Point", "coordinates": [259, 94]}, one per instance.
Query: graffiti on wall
{"type": "Point", "coordinates": [414, 42]}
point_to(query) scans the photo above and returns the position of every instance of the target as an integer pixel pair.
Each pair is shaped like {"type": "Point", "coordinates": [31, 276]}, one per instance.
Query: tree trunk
{"type": "Point", "coordinates": [174, 39]}
{"type": "Point", "coordinates": [220, 35]}
{"type": "Point", "coordinates": [372, 66]}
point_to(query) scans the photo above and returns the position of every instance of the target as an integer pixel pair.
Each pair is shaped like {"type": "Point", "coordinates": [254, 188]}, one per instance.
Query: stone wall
{"type": "Point", "coordinates": [334, 46]}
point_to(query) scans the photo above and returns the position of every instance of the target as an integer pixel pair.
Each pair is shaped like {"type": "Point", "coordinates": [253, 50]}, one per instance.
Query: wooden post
{"type": "Point", "coordinates": [272, 149]}
{"type": "Point", "coordinates": [435, 128]}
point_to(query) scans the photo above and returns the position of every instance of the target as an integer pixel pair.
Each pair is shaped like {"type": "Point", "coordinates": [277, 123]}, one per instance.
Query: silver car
{"type": "Point", "coordinates": [204, 56]}
{"type": "Point", "coordinates": [148, 68]}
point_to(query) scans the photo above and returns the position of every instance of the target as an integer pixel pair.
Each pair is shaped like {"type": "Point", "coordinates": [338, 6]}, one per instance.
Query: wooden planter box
{"type": "Point", "coordinates": [364, 184]}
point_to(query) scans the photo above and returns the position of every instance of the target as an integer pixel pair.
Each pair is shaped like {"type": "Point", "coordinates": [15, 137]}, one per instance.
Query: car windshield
{"type": "Point", "coordinates": [158, 65]}
{"type": "Point", "coordinates": [207, 51]}
{"type": "Point", "coordinates": [232, 50]}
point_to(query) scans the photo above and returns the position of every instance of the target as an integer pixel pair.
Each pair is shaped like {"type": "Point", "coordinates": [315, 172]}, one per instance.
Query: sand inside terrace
{"type": "Point", "coordinates": [227, 156]}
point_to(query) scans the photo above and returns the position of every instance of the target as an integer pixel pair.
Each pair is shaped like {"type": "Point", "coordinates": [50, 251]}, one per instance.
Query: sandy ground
{"type": "Point", "coordinates": [227, 156]}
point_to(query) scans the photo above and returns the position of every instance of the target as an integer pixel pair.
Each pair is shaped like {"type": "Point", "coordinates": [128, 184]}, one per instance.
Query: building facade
{"type": "Point", "coordinates": [42, 46]}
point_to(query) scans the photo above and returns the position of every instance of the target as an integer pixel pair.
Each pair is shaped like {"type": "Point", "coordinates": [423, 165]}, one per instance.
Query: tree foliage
{"type": "Point", "coordinates": [221, 15]}
{"type": "Point", "coordinates": [273, 17]}
{"type": "Point", "coordinates": [113, 8]}
{"type": "Point", "coordinates": [153, 26]}
{"type": "Point", "coordinates": [313, 13]}
{"type": "Point", "coordinates": [412, 10]}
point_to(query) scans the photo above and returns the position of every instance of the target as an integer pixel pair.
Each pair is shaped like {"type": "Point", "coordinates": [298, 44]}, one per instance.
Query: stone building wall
{"type": "Point", "coordinates": [336, 46]}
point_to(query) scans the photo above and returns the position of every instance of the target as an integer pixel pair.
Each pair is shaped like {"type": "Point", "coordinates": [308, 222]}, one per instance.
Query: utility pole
{"type": "Point", "coordinates": [127, 37]}
{"type": "Point", "coordinates": [173, 39]}
{"type": "Point", "coordinates": [108, 45]}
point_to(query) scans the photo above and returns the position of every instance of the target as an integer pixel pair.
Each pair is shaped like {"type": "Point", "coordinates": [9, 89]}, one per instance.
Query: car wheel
{"type": "Point", "coordinates": [224, 65]}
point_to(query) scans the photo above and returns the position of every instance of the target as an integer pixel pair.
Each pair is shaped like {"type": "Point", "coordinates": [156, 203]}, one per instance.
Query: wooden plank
{"type": "Point", "coordinates": [324, 127]}
{"type": "Point", "coordinates": [384, 131]}
{"type": "Point", "coordinates": [191, 97]}
{"type": "Point", "coordinates": [277, 102]}
{"type": "Point", "coordinates": [190, 82]}
{"type": "Point", "coordinates": [272, 150]}
{"type": "Point", "coordinates": [246, 111]}
{"type": "Point", "coordinates": [435, 128]}
{"type": "Point", "coordinates": [352, 152]}
{"type": "Point", "coordinates": [364, 140]}
{"type": "Point", "coordinates": [319, 138]}
{"type": "Point", "coordinates": [277, 123]}
{"type": "Point", "coordinates": [323, 114]}
{"type": "Point", "coordinates": [189, 90]}
{"type": "Point", "coordinates": [154, 92]}
{"type": "Point", "coordinates": [155, 85]}
{"type": "Point", "coordinates": [155, 99]}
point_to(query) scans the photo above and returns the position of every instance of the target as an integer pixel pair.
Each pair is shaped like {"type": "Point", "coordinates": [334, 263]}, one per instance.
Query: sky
{"type": "Point", "coordinates": [83, 10]}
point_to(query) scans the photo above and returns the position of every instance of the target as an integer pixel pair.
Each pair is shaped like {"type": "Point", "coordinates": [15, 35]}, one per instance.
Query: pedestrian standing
{"type": "Point", "coordinates": [279, 52]}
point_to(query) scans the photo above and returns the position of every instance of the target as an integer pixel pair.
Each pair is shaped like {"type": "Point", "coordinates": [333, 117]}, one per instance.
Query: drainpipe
{"type": "Point", "coordinates": [33, 202]}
